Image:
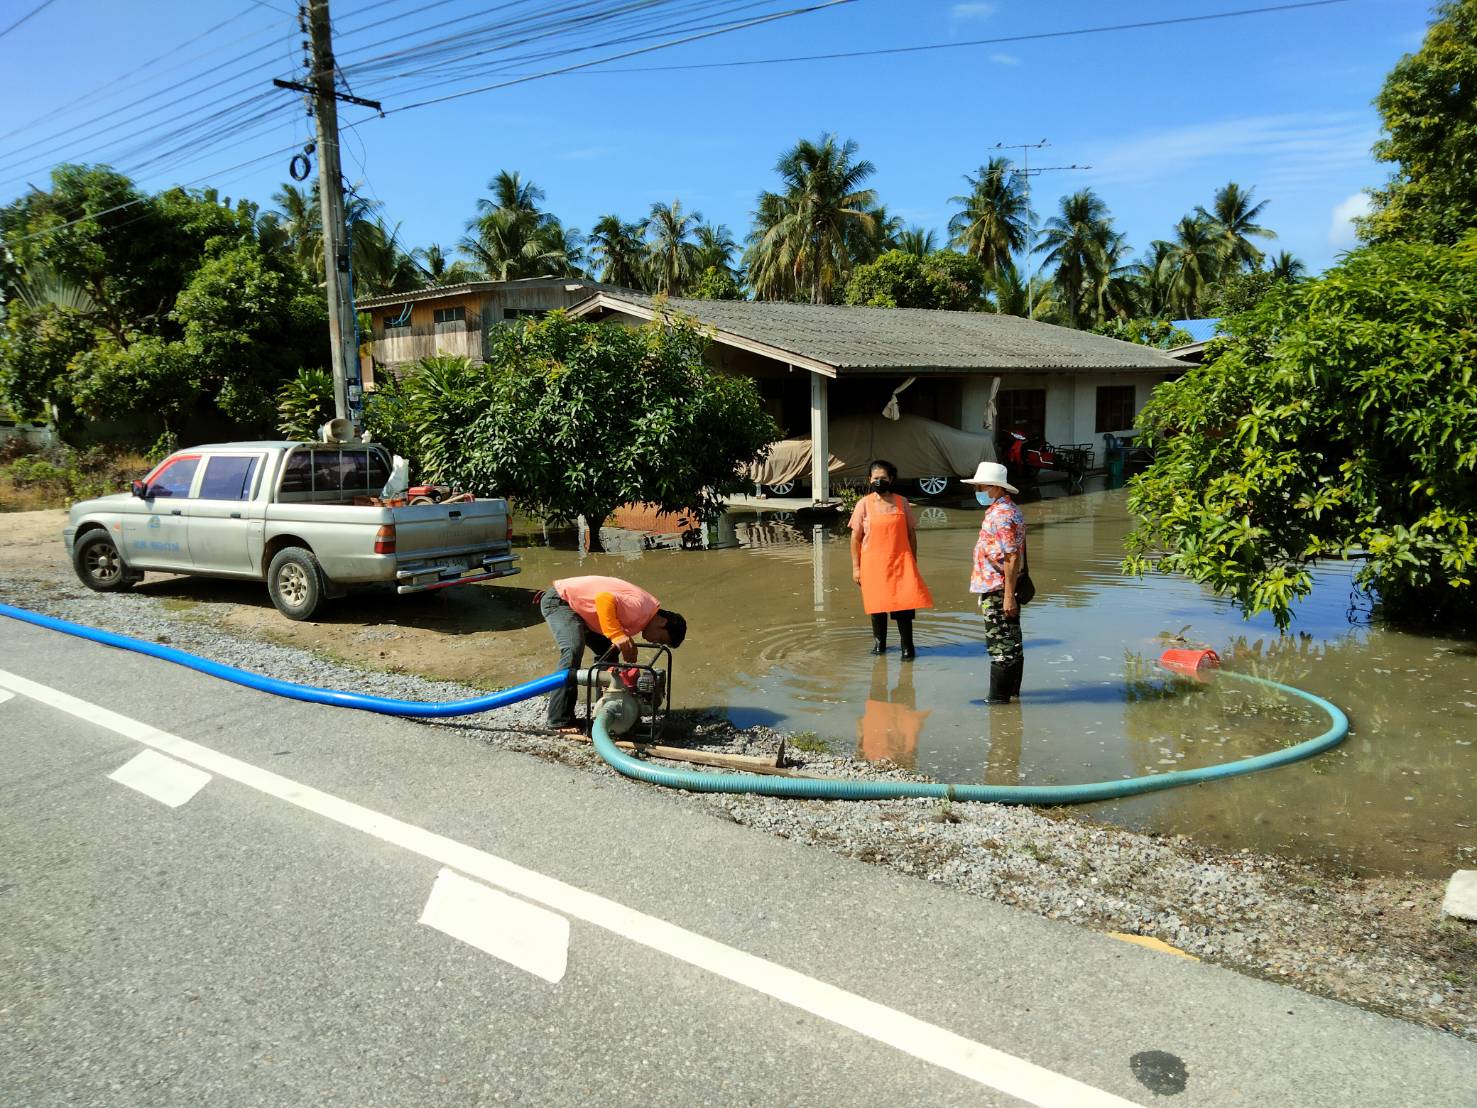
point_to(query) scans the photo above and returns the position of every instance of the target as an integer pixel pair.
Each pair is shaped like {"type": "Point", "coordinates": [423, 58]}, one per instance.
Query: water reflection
{"type": "Point", "coordinates": [891, 722]}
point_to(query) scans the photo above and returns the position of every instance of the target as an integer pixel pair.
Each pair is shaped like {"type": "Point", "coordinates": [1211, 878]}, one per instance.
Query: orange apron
{"type": "Point", "coordinates": [890, 578]}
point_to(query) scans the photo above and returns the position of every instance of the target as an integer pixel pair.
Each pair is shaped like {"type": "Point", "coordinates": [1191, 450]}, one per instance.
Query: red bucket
{"type": "Point", "coordinates": [1198, 664]}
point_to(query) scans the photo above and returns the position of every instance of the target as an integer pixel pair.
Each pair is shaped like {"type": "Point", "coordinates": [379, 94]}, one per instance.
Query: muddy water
{"type": "Point", "coordinates": [777, 636]}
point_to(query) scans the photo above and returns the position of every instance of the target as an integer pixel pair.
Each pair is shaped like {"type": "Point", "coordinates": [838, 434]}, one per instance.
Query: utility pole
{"type": "Point", "coordinates": [1027, 172]}
{"type": "Point", "coordinates": [348, 392]}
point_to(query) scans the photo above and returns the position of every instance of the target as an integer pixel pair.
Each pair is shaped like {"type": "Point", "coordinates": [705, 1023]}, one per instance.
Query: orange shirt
{"type": "Point", "coordinates": [616, 609]}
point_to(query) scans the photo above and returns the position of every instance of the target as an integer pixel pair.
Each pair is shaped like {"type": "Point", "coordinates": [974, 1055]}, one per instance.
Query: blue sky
{"type": "Point", "coordinates": [1163, 116]}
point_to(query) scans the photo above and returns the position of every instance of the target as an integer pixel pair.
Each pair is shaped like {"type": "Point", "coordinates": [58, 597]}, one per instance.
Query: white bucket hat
{"type": "Point", "coordinates": [991, 473]}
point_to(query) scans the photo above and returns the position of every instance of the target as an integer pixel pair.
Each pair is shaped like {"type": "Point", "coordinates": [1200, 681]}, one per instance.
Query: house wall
{"type": "Point", "coordinates": [425, 337]}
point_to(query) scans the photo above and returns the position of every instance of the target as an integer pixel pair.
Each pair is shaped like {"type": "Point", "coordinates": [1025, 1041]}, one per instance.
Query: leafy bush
{"type": "Point", "coordinates": [1339, 417]}
{"type": "Point", "coordinates": [1159, 333]}
{"type": "Point", "coordinates": [573, 418]}
{"type": "Point", "coordinates": [944, 279]}
{"type": "Point", "coordinates": [305, 403]}
{"type": "Point", "coordinates": [56, 478]}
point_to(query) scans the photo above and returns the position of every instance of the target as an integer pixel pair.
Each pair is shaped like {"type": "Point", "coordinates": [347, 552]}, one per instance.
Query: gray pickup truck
{"type": "Point", "coordinates": [285, 512]}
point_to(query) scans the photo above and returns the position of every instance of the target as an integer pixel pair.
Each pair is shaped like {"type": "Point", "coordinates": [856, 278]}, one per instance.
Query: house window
{"type": "Point", "coordinates": [451, 315]}
{"type": "Point", "coordinates": [524, 313]}
{"type": "Point", "coordinates": [1115, 407]}
{"type": "Point", "coordinates": [1022, 410]}
{"type": "Point", "coordinates": [396, 321]}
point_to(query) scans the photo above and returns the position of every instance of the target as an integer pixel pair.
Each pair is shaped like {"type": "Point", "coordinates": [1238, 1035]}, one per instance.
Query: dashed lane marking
{"type": "Point", "coordinates": [926, 1041]}
{"type": "Point", "coordinates": [522, 934]}
{"type": "Point", "coordinates": [164, 779]}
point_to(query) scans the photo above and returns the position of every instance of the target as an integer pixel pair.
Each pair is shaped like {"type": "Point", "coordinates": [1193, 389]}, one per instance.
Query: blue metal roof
{"type": "Point", "coordinates": [1200, 329]}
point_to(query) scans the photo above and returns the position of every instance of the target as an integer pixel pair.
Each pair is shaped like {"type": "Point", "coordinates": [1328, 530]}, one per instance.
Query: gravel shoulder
{"type": "Point", "coordinates": [1376, 941]}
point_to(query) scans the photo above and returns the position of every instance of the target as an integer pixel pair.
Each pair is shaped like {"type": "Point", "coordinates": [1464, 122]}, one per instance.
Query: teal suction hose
{"type": "Point", "coordinates": [812, 788]}
{"type": "Point", "coordinates": [800, 788]}
{"type": "Point", "coordinates": [363, 702]}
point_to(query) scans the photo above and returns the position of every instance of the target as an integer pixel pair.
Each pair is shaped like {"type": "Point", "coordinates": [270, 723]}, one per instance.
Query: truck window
{"type": "Point", "coordinates": [175, 476]}
{"type": "Point", "coordinates": [228, 477]}
{"type": "Point", "coordinates": [297, 477]}
{"type": "Point", "coordinates": [326, 472]}
{"type": "Point", "coordinates": [379, 472]}
{"type": "Point", "coordinates": [354, 469]}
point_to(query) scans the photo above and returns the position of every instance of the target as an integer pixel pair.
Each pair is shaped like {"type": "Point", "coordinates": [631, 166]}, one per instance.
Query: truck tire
{"type": "Point", "coordinates": [98, 563]}
{"type": "Point", "coordinates": [295, 583]}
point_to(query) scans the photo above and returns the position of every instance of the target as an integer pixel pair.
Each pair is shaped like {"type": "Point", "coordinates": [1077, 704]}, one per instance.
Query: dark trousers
{"type": "Point", "coordinates": [572, 636]}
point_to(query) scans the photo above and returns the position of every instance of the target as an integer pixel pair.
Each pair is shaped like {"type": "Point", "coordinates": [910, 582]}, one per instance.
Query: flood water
{"type": "Point", "coordinates": [777, 636]}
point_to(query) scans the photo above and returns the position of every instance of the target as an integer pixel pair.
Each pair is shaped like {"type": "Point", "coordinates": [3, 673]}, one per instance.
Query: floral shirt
{"type": "Point", "coordinates": [1002, 532]}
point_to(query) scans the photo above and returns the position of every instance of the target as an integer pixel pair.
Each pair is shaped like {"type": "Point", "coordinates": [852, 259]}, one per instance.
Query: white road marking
{"type": "Point", "coordinates": [4, 696]}
{"type": "Point", "coordinates": [166, 780]}
{"type": "Point", "coordinates": [943, 1048]}
{"type": "Point", "coordinates": [529, 937]}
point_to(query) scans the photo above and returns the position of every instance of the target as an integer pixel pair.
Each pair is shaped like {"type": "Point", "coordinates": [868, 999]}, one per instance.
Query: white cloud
{"type": "Point", "coordinates": [1341, 229]}
{"type": "Point", "coordinates": [1280, 150]}
{"type": "Point", "coordinates": [1005, 59]}
{"type": "Point", "coordinates": [978, 9]}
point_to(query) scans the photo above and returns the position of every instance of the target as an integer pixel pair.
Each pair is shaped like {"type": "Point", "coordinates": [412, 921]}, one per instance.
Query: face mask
{"type": "Point", "coordinates": [984, 498]}
{"type": "Point", "coordinates": [881, 484]}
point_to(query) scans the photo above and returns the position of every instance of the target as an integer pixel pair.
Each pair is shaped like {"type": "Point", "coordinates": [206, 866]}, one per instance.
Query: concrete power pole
{"type": "Point", "coordinates": [348, 399]}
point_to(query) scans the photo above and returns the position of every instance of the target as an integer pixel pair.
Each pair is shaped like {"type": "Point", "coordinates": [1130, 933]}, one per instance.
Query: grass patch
{"type": "Point", "coordinates": [34, 480]}
{"type": "Point", "coordinates": [808, 742]}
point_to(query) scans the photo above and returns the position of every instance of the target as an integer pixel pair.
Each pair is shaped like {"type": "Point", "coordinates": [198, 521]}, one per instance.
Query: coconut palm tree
{"type": "Point", "coordinates": [302, 222]}
{"type": "Point", "coordinates": [1011, 292]}
{"type": "Point", "coordinates": [994, 220]}
{"type": "Point", "coordinates": [1235, 216]}
{"type": "Point", "coordinates": [1285, 267]}
{"type": "Point", "coordinates": [806, 239]}
{"type": "Point", "coordinates": [713, 247]}
{"type": "Point", "coordinates": [669, 247]}
{"type": "Point", "coordinates": [620, 252]}
{"type": "Point", "coordinates": [511, 237]}
{"type": "Point", "coordinates": [438, 269]}
{"type": "Point", "coordinates": [1190, 264]}
{"type": "Point", "coordinates": [381, 264]}
{"type": "Point", "coordinates": [1077, 240]}
{"type": "Point", "coordinates": [918, 241]}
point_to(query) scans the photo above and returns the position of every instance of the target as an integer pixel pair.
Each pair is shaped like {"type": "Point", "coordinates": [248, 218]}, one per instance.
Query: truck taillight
{"type": "Point", "coordinates": [384, 539]}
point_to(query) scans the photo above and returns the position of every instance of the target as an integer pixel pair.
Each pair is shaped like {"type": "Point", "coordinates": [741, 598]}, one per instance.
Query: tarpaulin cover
{"type": "Point", "coordinates": [919, 447]}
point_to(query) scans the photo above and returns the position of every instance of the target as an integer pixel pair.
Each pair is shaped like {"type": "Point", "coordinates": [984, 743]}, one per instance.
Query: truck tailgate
{"type": "Point", "coordinates": [429, 531]}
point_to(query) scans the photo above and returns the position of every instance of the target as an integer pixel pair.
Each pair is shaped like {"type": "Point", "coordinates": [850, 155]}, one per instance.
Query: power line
{"type": "Point", "coordinates": [632, 53]}
{"type": "Point", "coordinates": [1143, 24]}
{"type": "Point", "coordinates": [22, 19]}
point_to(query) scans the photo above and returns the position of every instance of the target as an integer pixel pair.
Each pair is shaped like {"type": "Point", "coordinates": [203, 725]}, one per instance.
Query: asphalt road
{"type": "Point", "coordinates": [212, 896]}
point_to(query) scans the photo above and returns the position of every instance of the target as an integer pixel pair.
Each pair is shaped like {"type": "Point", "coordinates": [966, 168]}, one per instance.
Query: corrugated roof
{"type": "Point", "coordinates": [1201, 330]}
{"type": "Point", "coordinates": [436, 293]}
{"type": "Point", "coordinates": [863, 339]}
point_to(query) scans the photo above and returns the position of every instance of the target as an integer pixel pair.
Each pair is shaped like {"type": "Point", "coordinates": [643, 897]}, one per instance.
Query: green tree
{"type": "Point", "coordinates": [918, 241]}
{"type": "Point", "coordinates": [1190, 264]}
{"type": "Point", "coordinates": [1287, 267]}
{"type": "Point", "coordinates": [619, 250]}
{"type": "Point", "coordinates": [1158, 333]}
{"type": "Point", "coordinates": [1429, 108]}
{"type": "Point", "coordinates": [716, 284]}
{"type": "Point", "coordinates": [438, 270]}
{"type": "Point", "coordinates": [182, 313]}
{"type": "Point", "coordinates": [1240, 292]}
{"type": "Point", "coordinates": [1338, 416]}
{"type": "Point", "coordinates": [511, 237]}
{"type": "Point", "coordinates": [572, 418]}
{"type": "Point", "coordinates": [670, 249]}
{"type": "Point", "coordinates": [994, 220]}
{"type": "Point", "coordinates": [1234, 217]}
{"type": "Point", "coordinates": [944, 280]}
{"type": "Point", "coordinates": [807, 238]}
{"type": "Point", "coordinates": [1077, 240]}
{"type": "Point", "coordinates": [714, 248]}
{"type": "Point", "coordinates": [305, 403]}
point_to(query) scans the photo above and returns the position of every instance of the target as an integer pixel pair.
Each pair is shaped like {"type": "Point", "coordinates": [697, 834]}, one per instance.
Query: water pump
{"type": "Point", "coordinates": [629, 694]}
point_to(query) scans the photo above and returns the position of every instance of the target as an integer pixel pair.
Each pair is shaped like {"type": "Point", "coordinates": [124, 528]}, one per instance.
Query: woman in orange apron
{"type": "Point", "coordinates": [884, 559]}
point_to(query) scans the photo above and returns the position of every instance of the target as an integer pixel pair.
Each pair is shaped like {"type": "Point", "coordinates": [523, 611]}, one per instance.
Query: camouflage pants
{"type": "Point", "coordinates": [1002, 636]}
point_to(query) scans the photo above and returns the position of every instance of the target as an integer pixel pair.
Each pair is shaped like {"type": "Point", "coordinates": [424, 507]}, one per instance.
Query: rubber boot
{"type": "Point", "coordinates": [879, 633]}
{"type": "Point", "coordinates": [905, 636]}
{"type": "Point", "coordinates": [999, 684]}
{"type": "Point", "coordinates": [1017, 668]}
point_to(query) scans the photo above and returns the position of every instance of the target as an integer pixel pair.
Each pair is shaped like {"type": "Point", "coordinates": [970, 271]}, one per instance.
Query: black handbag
{"type": "Point", "coordinates": [1025, 588]}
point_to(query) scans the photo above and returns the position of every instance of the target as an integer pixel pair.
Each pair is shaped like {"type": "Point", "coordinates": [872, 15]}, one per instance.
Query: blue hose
{"type": "Point", "coordinates": [383, 704]}
{"type": "Point", "coordinates": [807, 788]}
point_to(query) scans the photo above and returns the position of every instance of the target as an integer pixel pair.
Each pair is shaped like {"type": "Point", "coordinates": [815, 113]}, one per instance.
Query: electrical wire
{"type": "Point", "coordinates": [34, 11]}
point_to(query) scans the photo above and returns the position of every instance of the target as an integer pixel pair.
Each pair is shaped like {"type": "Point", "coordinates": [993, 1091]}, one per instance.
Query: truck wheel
{"type": "Point", "coordinates": [295, 582]}
{"type": "Point", "coordinates": [99, 565]}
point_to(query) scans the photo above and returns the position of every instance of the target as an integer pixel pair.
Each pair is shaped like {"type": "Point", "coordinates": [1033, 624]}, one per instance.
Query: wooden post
{"type": "Point", "coordinates": [820, 438]}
